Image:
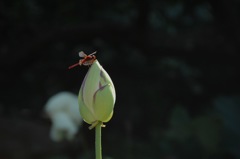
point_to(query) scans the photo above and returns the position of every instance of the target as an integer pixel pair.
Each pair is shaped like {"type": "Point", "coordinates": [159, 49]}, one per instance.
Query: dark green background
{"type": "Point", "coordinates": [175, 66]}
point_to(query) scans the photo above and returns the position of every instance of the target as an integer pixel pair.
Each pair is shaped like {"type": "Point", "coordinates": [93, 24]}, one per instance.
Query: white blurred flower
{"type": "Point", "coordinates": [63, 110]}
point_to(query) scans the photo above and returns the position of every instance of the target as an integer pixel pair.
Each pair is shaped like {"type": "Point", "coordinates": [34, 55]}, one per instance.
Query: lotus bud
{"type": "Point", "coordinates": [96, 96]}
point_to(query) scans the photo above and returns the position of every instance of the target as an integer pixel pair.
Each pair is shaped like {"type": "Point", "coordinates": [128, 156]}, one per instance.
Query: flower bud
{"type": "Point", "coordinates": [97, 95]}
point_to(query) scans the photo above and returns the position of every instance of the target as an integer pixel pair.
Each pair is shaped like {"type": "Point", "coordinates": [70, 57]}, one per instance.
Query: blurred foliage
{"type": "Point", "coordinates": [175, 66]}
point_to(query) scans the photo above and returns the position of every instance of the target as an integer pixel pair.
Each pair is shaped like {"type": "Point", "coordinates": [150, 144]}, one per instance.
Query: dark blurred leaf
{"type": "Point", "coordinates": [229, 110]}
{"type": "Point", "coordinates": [180, 124]}
{"type": "Point", "coordinates": [207, 132]}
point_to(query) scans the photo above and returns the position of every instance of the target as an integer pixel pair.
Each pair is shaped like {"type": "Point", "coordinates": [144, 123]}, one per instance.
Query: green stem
{"type": "Point", "coordinates": [98, 144]}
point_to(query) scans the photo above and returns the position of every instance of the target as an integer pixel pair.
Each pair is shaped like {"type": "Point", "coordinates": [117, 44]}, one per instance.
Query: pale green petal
{"type": "Point", "coordinates": [108, 118]}
{"type": "Point", "coordinates": [103, 103]}
{"type": "Point", "coordinates": [91, 84]}
{"type": "Point", "coordinates": [105, 79]}
{"type": "Point", "coordinates": [85, 112]}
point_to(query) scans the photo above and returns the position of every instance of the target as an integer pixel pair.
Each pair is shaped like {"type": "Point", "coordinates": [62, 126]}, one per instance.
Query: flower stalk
{"type": "Point", "coordinates": [98, 142]}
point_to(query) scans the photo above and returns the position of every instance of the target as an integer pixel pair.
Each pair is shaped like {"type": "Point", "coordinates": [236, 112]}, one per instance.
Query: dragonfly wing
{"type": "Point", "coordinates": [82, 54]}
{"type": "Point", "coordinates": [92, 53]}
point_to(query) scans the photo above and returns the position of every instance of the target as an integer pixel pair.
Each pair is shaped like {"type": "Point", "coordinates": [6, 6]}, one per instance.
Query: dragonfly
{"type": "Point", "coordinates": [86, 61]}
